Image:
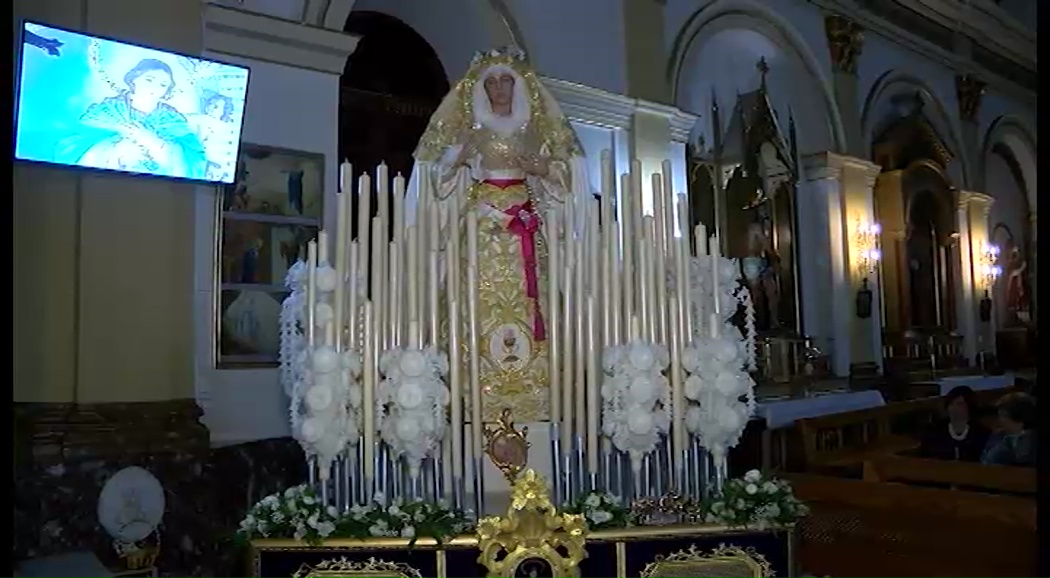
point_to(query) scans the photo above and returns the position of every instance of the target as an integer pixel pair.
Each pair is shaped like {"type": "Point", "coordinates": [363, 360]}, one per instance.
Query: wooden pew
{"type": "Point", "coordinates": [842, 442]}
{"type": "Point", "coordinates": [955, 475]}
{"type": "Point", "coordinates": [846, 440]}
{"type": "Point", "coordinates": [859, 528]}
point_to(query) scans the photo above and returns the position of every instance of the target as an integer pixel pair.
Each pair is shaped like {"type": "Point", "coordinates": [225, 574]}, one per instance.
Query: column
{"type": "Point", "coordinates": [826, 286]}
{"type": "Point", "coordinates": [969, 92]}
{"type": "Point", "coordinates": [644, 40]}
{"type": "Point", "coordinates": [980, 205]}
{"type": "Point", "coordinates": [858, 180]}
{"type": "Point", "coordinates": [845, 42]}
{"type": "Point", "coordinates": [966, 304]}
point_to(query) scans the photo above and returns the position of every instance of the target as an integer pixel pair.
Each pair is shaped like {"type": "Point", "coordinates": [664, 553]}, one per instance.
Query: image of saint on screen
{"type": "Point", "coordinates": [96, 103]}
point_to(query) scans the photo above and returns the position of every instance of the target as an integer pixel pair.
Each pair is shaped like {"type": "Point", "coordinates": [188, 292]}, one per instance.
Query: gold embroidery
{"type": "Point", "coordinates": [514, 366]}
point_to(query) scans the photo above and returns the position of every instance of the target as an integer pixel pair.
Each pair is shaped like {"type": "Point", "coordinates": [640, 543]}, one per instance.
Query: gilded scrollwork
{"type": "Point", "coordinates": [532, 531]}
{"type": "Point", "coordinates": [970, 91]}
{"type": "Point", "coordinates": [370, 568]}
{"type": "Point", "coordinates": [845, 40]}
{"type": "Point", "coordinates": [722, 561]}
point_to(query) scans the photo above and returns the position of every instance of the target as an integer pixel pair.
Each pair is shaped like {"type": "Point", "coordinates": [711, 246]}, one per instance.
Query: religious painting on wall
{"type": "Point", "coordinates": [268, 215]}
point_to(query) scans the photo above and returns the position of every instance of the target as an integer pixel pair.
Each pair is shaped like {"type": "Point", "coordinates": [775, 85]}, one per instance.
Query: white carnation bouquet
{"type": "Point", "coordinates": [636, 398]}
{"type": "Point", "coordinates": [411, 402]}
{"type": "Point", "coordinates": [601, 510]}
{"type": "Point", "coordinates": [754, 501]}
{"type": "Point", "coordinates": [295, 513]}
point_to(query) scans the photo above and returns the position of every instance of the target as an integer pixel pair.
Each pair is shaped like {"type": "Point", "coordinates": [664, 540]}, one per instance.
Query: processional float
{"type": "Point", "coordinates": [648, 378]}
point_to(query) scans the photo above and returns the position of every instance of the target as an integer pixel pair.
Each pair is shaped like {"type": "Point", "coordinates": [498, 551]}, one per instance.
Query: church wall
{"type": "Point", "coordinates": [249, 404]}
{"type": "Point", "coordinates": [101, 262]}
{"type": "Point", "coordinates": [716, 49]}
{"type": "Point", "coordinates": [553, 35]}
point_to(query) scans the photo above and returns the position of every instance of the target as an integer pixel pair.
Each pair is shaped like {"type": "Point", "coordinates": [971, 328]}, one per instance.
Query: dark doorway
{"type": "Point", "coordinates": [392, 84]}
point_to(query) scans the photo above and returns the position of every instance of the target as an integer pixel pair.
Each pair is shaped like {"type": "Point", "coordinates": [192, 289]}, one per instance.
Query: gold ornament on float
{"type": "Point", "coordinates": [532, 538]}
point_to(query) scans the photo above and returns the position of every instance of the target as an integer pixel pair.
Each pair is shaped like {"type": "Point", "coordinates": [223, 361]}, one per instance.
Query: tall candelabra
{"type": "Point", "coordinates": [643, 366]}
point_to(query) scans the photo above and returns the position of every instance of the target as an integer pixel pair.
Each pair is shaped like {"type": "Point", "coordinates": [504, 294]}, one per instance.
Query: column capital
{"type": "Point", "coordinates": [830, 165]}
{"type": "Point", "coordinates": [979, 201]}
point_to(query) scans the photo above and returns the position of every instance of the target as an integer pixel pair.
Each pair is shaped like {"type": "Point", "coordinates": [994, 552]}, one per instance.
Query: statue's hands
{"type": "Point", "coordinates": [534, 165]}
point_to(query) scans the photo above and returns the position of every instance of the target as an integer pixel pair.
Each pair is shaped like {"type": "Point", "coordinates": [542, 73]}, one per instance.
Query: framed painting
{"type": "Point", "coordinates": [265, 220]}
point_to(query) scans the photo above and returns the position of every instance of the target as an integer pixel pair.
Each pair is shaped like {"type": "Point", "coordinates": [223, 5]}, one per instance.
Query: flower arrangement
{"type": "Point", "coordinates": [754, 501]}
{"type": "Point", "coordinates": [411, 402]}
{"type": "Point", "coordinates": [295, 513]}
{"type": "Point", "coordinates": [719, 390]}
{"type": "Point", "coordinates": [601, 510]}
{"type": "Point", "coordinates": [412, 520]}
{"type": "Point", "coordinates": [298, 513]}
{"type": "Point", "coordinates": [322, 383]}
{"type": "Point", "coordinates": [635, 398]}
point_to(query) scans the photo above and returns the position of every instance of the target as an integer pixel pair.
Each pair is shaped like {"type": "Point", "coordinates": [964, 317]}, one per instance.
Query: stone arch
{"type": "Point", "coordinates": [881, 109]}
{"type": "Point", "coordinates": [721, 16]}
{"type": "Point", "coordinates": [337, 11]}
{"type": "Point", "coordinates": [1010, 132]}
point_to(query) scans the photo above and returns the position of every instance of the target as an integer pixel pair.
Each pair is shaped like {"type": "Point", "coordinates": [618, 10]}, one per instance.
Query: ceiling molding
{"type": "Point", "coordinates": [260, 37]}
{"type": "Point", "coordinates": [956, 62]}
{"type": "Point", "coordinates": [598, 107]}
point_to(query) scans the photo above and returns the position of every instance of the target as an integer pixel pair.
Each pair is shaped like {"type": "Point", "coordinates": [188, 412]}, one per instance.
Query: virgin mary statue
{"type": "Point", "coordinates": [500, 145]}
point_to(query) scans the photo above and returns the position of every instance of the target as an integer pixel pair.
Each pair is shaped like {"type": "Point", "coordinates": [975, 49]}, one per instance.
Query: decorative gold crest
{"type": "Point", "coordinates": [507, 447]}
{"type": "Point", "coordinates": [532, 534]}
{"type": "Point", "coordinates": [724, 561]}
{"type": "Point", "coordinates": [371, 568]}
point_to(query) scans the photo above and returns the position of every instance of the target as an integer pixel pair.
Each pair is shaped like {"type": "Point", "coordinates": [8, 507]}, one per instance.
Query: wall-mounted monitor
{"type": "Point", "coordinates": [90, 102]}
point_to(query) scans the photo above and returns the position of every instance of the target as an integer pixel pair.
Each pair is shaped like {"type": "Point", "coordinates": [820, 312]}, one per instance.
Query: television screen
{"type": "Point", "coordinates": [90, 102]}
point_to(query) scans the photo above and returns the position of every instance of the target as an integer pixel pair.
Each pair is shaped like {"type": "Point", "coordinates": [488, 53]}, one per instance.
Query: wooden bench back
{"type": "Point", "coordinates": [882, 529]}
{"type": "Point", "coordinates": [955, 474]}
{"type": "Point", "coordinates": [830, 437]}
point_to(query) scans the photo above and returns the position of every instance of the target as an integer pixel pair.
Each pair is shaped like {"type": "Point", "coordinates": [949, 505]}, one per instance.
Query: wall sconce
{"type": "Point", "coordinates": [988, 265]}
{"type": "Point", "coordinates": [867, 241]}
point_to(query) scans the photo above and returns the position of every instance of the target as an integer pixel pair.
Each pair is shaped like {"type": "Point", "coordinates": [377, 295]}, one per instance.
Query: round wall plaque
{"type": "Point", "coordinates": [131, 505]}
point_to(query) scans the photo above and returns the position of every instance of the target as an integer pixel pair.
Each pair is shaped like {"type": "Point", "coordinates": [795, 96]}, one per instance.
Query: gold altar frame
{"type": "Point", "coordinates": [620, 536]}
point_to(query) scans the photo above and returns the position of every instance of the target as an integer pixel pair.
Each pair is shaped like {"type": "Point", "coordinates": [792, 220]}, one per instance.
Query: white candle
{"type": "Point", "coordinates": [412, 267]}
{"type": "Point", "coordinates": [700, 240]}
{"type": "Point", "coordinates": [346, 178]}
{"type": "Point", "coordinates": [474, 338]}
{"type": "Point", "coordinates": [644, 277]}
{"type": "Point", "coordinates": [550, 225]}
{"type": "Point", "coordinates": [578, 383]}
{"type": "Point", "coordinates": [606, 304]}
{"type": "Point", "coordinates": [433, 276]}
{"type": "Point", "coordinates": [668, 206]}
{"type": "Point", "coordinates": [322, 247]}
{"type": "Point", "coordinates": [678, 440]}
{"type": "Point", "coordinates": [378, 248]}
{"type": "Point", "coordinates": [351, 341]}
{"type": "Point", "coordinates": [716, 317]}
{"type": "Point", "coordinates": [311, 294]}
{"type": "Point", "coordinates": [394, 299]}
{"type": "Point", "coordinates": [568, 332]}
{"type": "Point", "coordinates": [368, 427]}
{"type": "Point", "coordinates": [341, 232]}
{"type": "Point", "coordinates": [627, 244]}
{"type": "Point", "coordinates": [594, 384]}
{"type": "Point", "coordinates": [682, 261]}
{"type": "Point", "coordinates": [399, 207]}
{"type": "Point", "coordinates": [659, 260]}
{"type": "Point", "coordinates": [364, 233]}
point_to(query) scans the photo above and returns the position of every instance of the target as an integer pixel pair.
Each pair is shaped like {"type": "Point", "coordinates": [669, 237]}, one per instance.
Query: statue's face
{"type": "Point", "coordinates": [500, 89]}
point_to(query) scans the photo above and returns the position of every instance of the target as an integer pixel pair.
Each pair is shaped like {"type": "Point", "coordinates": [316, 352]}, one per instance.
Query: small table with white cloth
{"type": "Point", "coordinates": [977, 382]}
{"type": "Point", "coordinates": [782, 413]}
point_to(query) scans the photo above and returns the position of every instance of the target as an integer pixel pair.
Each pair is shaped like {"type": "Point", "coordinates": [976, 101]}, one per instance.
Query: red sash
{"type": "Point", "coordinates": [525, 223]}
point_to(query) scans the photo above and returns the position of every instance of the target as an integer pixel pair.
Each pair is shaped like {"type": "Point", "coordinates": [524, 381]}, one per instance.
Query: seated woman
{"type": "Point", "coordinates": [960, 436]}
{"type": "Point", "coordinates": [1014, 442]}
